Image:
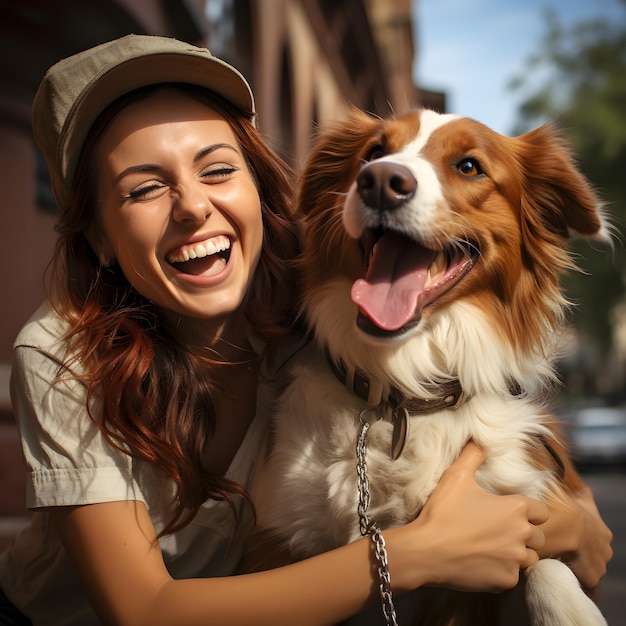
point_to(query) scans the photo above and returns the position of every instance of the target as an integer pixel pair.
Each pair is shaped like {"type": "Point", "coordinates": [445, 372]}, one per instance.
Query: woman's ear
{"type": "Point", "coordinates": [100, 244]}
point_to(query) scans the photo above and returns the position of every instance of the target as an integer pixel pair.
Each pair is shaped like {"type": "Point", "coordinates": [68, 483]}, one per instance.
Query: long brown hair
{"type": "Point", "coordinates": [155, 395]}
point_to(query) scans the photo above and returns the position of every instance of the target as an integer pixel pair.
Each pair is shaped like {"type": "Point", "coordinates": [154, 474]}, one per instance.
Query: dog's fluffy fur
{"type": "Point", "coordinates": [377, 195]}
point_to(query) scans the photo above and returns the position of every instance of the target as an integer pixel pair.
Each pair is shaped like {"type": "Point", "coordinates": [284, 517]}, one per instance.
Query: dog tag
{"type": "Point", "coordinates": [400, 420]}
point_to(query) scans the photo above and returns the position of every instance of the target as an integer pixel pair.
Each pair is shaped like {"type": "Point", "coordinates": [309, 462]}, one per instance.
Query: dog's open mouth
{"type": "Point", "coordinates": [402, 277]}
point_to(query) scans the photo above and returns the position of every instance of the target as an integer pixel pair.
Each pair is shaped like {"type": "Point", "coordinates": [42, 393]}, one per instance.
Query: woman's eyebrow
{"type": "Point", "coordinates": [152, 167]}
{"type": "Point", "coordinates": [144, 167]}
{"type": "Point", "coordinates": [212, 148]}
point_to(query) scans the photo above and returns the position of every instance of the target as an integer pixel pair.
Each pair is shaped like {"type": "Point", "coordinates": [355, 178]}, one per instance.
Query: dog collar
{"type": "Point", "coordinates": [395, 405]}
{"type": "Point", "coordinates": [445, 395]}
{"type": "Point", "coordinates": [448, 395]}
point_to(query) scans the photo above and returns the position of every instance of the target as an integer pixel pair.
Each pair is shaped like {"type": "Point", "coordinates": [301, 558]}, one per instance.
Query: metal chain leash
{"type": "Point", "coordinates": [367, 527]}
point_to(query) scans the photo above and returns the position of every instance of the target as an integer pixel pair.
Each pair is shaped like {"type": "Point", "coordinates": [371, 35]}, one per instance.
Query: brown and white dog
{"type": "Point", "coordinates": [433, 252]}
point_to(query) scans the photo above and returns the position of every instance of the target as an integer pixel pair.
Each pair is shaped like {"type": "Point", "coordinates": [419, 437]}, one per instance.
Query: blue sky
{"type": "Point", "coordinates": [471, 49]}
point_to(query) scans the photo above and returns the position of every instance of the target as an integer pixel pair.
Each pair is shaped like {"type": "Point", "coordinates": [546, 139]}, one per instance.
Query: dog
{"type": "Point", "coordinates": [433, 252]}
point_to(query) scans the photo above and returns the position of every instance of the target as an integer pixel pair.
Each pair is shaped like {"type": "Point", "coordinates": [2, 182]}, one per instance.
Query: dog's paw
{"type": "Point", "coordinates": [555, 598]}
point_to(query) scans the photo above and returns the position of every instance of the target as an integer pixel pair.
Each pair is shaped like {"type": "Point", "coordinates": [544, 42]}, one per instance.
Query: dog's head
{"type": "Point", "coordinates": [410, 217]}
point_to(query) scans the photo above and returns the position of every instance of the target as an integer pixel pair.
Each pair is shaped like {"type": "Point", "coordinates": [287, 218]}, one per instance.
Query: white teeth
{"type": "Point", "coordinates": [213, 247]}
{"type": "Point", "coordinates": [436, 267]}
{"type": "Point", "coordinates": [200, 250]}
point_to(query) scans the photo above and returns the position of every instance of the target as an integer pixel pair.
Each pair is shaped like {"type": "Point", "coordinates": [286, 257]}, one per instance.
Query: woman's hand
{"type": "Point", "coordinates": [475, 541]}
{"type": "Point", "coordinates": [577, 534]}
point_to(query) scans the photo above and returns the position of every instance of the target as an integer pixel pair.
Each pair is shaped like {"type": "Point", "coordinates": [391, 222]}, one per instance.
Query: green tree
{"type": "Point", "coordinates": [578, 79]}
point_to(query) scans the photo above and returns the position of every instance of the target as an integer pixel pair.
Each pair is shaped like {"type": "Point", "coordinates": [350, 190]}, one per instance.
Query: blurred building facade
{"type": "Point", "coordinates": [307, 62]}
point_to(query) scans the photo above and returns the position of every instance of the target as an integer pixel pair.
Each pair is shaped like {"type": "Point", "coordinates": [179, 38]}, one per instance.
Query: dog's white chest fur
{"type": "Point", "coordinates": [306, 490]}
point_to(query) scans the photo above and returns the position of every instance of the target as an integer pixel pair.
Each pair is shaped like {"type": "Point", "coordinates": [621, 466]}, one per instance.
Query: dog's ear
{"type": "Point", "coordinates": [335, 160]}
{"type": "Point", "coordinates": [556, 195]}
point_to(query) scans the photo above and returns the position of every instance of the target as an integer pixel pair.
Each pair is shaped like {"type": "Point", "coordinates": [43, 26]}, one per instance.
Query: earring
{"type": "Point", "coordinates": [105, 260]}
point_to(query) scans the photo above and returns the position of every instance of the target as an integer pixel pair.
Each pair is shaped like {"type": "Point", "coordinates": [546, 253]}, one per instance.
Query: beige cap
{"type": "Point", "coordinates": [76, 90]}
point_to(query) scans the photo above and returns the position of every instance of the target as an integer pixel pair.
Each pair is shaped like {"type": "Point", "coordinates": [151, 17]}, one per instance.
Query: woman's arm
{"type": "Point", "coordinates": [114, 549]}
{"type": "Point", "coordinates": [465, 538]}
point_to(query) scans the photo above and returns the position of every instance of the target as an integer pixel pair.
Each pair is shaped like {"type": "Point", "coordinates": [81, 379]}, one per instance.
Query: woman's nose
{"type": "Point", "coordinates": [192, 204]}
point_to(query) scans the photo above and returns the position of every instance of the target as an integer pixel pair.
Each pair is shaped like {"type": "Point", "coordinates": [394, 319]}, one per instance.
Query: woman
{"type": "Point", "coordinates": [142, 386]}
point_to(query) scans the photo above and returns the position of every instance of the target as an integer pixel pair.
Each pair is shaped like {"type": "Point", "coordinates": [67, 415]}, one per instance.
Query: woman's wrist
{"type": "Point", "coordinates": [407, 554]}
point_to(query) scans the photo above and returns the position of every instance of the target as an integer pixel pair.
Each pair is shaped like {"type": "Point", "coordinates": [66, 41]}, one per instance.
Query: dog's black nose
{"type": "Point", "coordinates": [385, 186]}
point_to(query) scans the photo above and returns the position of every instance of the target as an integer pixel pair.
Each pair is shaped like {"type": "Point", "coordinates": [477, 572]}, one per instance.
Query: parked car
{"type": "Point", "coordinates": [598, 436]}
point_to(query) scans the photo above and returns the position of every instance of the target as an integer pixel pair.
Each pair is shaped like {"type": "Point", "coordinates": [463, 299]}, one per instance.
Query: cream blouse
{"type": "Point", "coordinates": [70, 463]}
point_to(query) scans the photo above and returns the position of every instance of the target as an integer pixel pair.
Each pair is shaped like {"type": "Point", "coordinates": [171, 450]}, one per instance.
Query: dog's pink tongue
{"type": "Point", "coordinates": [397, 272]}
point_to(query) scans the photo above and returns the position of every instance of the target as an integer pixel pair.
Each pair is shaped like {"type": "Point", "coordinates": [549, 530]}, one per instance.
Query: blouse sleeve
{"type": "Point", "coordinates": [68, 458]}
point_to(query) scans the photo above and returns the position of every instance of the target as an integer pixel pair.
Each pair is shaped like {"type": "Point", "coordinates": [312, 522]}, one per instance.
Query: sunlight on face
{"type": "Point", "coordinates": [179, 209]}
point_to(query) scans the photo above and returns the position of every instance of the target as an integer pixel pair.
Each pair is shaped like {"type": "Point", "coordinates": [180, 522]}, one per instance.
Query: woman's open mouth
{"type": "Point", "coordinates": [205, 258]}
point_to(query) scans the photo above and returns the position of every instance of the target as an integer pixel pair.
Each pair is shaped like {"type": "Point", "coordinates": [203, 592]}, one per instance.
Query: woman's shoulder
{"type": "Point", "coordinates": [44, 331]}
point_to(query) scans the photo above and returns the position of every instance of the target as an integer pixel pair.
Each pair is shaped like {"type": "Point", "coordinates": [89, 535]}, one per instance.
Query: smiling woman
{"type": "Point", "coordinates": [196, 193]}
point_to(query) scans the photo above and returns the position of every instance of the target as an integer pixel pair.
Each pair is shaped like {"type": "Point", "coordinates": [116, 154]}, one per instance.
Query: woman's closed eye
{"type": "Point", "coordinates": [148, 190]}
{"type": "Point", "coordinates": [218, 173]}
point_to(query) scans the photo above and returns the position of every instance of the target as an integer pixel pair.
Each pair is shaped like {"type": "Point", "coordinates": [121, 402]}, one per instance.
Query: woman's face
{"type": "Point", "coordinates": [179, 209]}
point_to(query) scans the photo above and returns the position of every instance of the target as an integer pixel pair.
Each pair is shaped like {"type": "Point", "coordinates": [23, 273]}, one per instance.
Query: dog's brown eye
{"type": "Point", "coordinates": [469, 167]}
{"type": "Point", "coordinates": [375, 152]}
